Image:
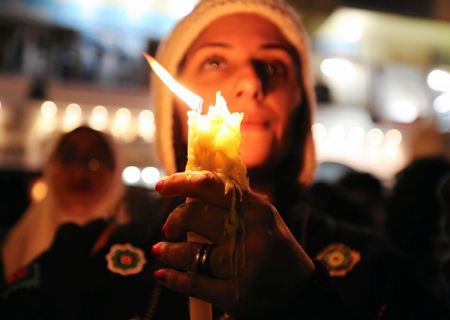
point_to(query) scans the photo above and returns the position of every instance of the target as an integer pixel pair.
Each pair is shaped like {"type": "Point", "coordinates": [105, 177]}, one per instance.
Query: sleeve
{"type": "Point", "coordinates": [315, 299]}
{"type": "Point", "coordinates": [57, 285]}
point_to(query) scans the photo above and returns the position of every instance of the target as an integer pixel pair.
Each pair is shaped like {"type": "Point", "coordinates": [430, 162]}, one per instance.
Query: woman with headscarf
{"type": "Point", "coordinates": [83, 179]}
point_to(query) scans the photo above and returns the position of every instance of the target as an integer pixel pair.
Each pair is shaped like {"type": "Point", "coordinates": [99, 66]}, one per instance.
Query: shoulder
{"type": "Point", "coordinates": [327, 235]}
{"type": "Point", "coordinates": [362, 265]}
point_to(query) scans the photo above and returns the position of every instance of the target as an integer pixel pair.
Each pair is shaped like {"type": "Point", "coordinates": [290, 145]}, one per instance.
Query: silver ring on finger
{"type": "Point", "coordinates": [202, 259]}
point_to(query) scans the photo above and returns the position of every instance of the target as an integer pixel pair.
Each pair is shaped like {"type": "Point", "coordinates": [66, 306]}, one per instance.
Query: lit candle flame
{"type": "Point", "coordinates": [192, 100]}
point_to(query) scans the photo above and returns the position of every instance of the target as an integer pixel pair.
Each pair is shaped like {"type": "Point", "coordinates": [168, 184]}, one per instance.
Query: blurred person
{"type": "Point", "coordinates": [444, 198]}
{"type": "Point", "coordinates": [367, 191]}
{"type": "Point", "coordinates": [416, 220]}
{"type": "Point", "coordinates": [330, 200]}
{"type": "Point", "coordinates": [257, 53]}
{"type": "Point", "coordinates": [83, 178]}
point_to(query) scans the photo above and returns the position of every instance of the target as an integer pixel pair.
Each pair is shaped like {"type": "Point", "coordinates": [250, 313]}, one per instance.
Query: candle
{"type": "Point", "coordinates": [213, 145]}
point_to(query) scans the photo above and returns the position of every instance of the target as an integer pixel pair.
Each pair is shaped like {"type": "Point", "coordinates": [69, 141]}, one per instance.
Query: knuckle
{"type": "Point", "coordinates": [191, 285]}
{"type": "Point", "coordinates": [189, 257]}
{"type": "Point", "coordinates": [208, 181]}
{"type": "Point", "coordinates": [259, 214]}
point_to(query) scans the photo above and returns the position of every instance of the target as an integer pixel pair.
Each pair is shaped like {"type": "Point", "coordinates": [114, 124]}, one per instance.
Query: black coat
{"type": "Point", "coordinates": [78, 279]}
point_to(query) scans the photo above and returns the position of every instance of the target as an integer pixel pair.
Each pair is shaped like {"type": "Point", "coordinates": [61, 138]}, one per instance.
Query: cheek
{"type": "Point", "coordinates": [61, 192]}
{"type": "Point", "coordinates": [284, 115]}
{"type": "Point", "coordinates": [58, 181]}
{"type": "Point", "coordinates": [282, 130]}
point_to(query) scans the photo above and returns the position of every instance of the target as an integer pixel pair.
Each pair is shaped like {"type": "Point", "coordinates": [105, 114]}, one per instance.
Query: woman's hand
{"type": "Point", "coordinates": [275, 264]}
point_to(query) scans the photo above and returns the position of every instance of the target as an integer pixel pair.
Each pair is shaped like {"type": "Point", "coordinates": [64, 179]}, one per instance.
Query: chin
{"type": "Point", "coordinates": [258, 148]}
{"type": "Point", "coordinates": [80, 205]}
{"type": "Point", "coordinates": [82, 215]}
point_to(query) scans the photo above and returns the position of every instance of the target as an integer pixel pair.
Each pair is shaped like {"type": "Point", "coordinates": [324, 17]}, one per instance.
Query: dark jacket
{"type": "Point", "coordinates": [103, 271]}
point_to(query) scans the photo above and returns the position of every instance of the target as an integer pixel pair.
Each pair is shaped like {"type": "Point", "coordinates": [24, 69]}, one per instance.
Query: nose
{"type": "Point", "coordinates": [249, 83]}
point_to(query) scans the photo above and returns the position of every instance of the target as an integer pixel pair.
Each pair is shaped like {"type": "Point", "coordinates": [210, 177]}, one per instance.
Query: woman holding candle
{"type": "Point", "coordinates": [257, 54]}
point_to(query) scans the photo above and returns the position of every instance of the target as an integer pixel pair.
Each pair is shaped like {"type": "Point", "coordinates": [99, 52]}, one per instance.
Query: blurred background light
{"type": "Point", "coordinates": [441, 103]}
{"type": "Point", "coordinates": [374, 136]}
{"type": "Point", "coordinates": [319, 131]}
{"type": "Point", "coordinates": [356, 134]}
{"type": "Point", "coordinates": [48, 109]}
{"type": "Point", "coordinates": [350, 30]}
{"type": "Point", "coordinates": [402, 110]}
{"type": "Point", "coordinates": [122, 127]}
{"type": "Point", "coordinates": [131, 175]}
{"type": "Point", "coordinates": [393, 137]}
{"type": "Point", "coordinates": [180, 9]}
{"type": "Point", "coordinates": [72, 118]}
{"type": "Point", "coordinates": [123, 117]}
{"type": "Point", "coordinates": [439, 80]}
{"type": "Point", "coordinates": [39, 190]}
{"type": "Point", "coordinates": [339, 68]}
{"type": "Point", "coordinates": [135, 9]}
{"type": "Point", "coordinates": [150, 175]}
{"type": "Point", "coordinates": [337, 133]}
{"type": "Point", "coordinates": [146, 122]}
{"type": "Point", "coordinates": [99, 118]}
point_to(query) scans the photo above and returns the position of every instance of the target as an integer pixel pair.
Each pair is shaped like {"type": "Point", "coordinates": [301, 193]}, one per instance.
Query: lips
{"type": "Point", "coordinates": [255, 124]}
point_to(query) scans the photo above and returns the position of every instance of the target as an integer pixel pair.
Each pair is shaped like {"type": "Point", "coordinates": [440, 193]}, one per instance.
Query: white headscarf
{"type": "Point", "coordinates": [35, 230]}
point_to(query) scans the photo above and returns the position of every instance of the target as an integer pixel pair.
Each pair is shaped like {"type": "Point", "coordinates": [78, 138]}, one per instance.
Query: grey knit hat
{"type": "Point", "coordinates": [172, 50]}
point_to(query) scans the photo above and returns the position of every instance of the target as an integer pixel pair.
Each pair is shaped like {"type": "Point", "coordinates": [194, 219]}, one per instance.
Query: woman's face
{"type": "Point", "coordinates": [83, 171]}
{"type": "Point", "coordinates": [247, 58]}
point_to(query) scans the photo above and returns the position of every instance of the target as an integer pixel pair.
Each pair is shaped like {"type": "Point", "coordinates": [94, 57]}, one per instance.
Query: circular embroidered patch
{"type": "Point", "coordinates": [339, 259]}
{"type": "Point", "coordinates": [125, 259]}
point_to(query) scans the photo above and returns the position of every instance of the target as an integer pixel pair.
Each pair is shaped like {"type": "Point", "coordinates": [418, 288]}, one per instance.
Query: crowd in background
{"type": "Point", "coordinates": [413, 212]}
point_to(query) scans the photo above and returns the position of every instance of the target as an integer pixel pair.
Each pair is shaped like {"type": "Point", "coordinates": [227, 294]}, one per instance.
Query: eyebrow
{"type": "Point", "coordinates": [208, 45]}
{"type": "Point", "coordinates": [278, 46]}
{"type": "Point", "coordinates": [268, 46]}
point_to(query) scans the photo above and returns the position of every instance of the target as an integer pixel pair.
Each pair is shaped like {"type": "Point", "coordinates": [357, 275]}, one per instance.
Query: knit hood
{"type": "Point", "coordinates": [173, 49]}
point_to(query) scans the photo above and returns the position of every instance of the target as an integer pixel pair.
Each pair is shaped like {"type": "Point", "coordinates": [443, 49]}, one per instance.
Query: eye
{"type": "Point", "coordinates": [68, 157]}
{"type": "Point", "coordinates": [213, 63]}
{"type": "Point", "coordinates": [274, 68]}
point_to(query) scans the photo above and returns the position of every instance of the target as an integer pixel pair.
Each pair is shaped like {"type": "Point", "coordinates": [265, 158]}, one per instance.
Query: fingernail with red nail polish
{"type": "Point", "coordinates": [156, 250]}
{"type": "Point", "coordinates": [159, 185]}
{"type": "Point", "coordinates": [159, 275]}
